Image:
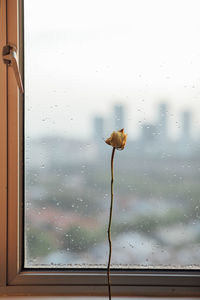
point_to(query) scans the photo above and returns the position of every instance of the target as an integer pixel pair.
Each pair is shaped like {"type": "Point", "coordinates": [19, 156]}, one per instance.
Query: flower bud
{"type": "Point", "coordinates": [117, 139]}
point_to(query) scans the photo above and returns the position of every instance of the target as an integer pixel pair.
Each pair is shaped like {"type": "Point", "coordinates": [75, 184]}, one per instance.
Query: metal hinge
{"type": "Point", "coordinates": [9, 54]}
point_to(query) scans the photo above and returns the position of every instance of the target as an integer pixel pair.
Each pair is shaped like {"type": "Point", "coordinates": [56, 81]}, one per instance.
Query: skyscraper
{"type": "Point", "coordinates": [98, 127]}
{"type": "Point", "coordinates": [162, 121]}
{"type": "Point", "coordinates": [118, 117]}
{"type": "Point", "coordinates": [186, 125]}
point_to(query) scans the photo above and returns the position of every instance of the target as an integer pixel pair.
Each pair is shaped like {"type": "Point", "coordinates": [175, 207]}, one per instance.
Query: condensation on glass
{"type": "Point", "coordinates": [92, 67]}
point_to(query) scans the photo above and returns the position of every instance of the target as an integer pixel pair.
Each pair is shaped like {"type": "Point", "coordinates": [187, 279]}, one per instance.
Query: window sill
{"type": "Point", "coordinates": [83, 298]}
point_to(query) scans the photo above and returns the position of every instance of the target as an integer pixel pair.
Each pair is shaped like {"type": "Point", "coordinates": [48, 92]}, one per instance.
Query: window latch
{"type": "Point", "coordinates": [9, 54]}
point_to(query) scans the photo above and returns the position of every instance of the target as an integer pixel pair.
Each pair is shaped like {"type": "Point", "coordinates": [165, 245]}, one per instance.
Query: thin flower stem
{"type": "Point", "coordinates": [109, 225]}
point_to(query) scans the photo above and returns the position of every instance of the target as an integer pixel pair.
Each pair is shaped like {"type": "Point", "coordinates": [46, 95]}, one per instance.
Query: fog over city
{"type": "Point", "coordinates": [156, 212]}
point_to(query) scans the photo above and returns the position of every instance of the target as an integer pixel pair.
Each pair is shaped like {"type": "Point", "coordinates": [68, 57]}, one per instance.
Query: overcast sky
{"type": "Point", "coordinates": [82, 56]}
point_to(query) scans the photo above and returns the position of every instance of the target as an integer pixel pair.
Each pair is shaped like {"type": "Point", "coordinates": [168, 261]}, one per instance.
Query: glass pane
{"type": "Point", "coordinates": [92, 67]}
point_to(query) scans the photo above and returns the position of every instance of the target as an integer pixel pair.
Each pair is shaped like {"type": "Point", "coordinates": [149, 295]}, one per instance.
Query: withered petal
{"type": "Point", "coordinates": [117, 139]}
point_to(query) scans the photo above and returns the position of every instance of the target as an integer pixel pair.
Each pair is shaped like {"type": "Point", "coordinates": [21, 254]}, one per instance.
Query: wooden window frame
{"type": "Point", "coordinates": [14, 280]}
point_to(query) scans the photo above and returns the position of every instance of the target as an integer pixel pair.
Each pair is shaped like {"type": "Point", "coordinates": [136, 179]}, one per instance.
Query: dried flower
{"type": "Point", "coordinates": [117, 139]}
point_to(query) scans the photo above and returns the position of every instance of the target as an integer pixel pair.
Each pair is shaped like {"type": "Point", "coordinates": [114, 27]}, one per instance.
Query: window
{"type": "Point", "coordinates": [25, 264]}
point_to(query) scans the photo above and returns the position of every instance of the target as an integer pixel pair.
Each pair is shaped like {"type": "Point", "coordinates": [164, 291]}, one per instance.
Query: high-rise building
{"type": "Point", "coordinates": [98, 127]}
{"type": "Point", "coordinates": [186, 125]}
{"type": "Point", "coordinates": [118, 117]}
{"type": "Point", "coordinates": [162, 121]}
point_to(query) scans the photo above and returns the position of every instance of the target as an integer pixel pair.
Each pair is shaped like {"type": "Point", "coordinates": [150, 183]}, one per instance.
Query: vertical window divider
{"type": "Point", "coordinates": [3, 149]}
{"type": "Point", "coordinates": [14, 220]}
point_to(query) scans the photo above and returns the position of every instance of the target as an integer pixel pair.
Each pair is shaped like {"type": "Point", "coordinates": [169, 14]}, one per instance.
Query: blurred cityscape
{"type": "Point", "coordinates": [156, 220]}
